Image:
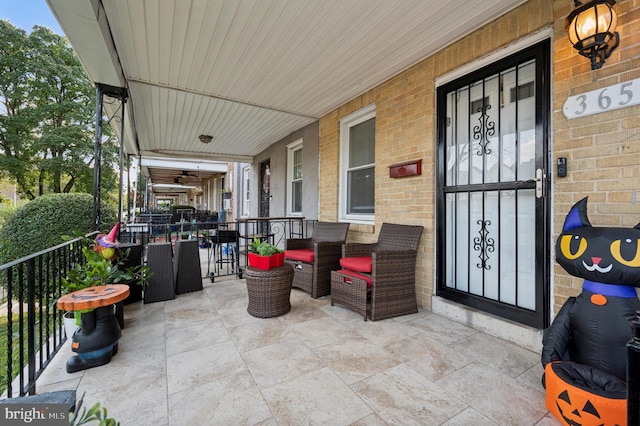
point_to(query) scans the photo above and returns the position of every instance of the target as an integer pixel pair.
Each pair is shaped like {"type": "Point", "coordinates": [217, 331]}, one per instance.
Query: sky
{"type": "Point", "coordinates": [27, 13]}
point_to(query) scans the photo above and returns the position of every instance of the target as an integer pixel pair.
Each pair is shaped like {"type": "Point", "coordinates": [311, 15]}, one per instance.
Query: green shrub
{"type": "Point", "coordinates": [43, 222]}
{"type": "Point", "coordinates": [6, 210]}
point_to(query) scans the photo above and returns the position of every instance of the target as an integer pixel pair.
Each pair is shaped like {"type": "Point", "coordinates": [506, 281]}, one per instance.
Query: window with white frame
{"type": "Point", "coordinates": [357, 165]}
{"type": "Point", "coordinates": [294, 178]}
{"type": "Point", "coordinates": [246, 180]}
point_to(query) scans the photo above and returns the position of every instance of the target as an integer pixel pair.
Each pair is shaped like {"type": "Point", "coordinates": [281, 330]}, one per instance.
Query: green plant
{"type": "Point", "coordinates": [96, 413]}
{"type": "Point", "coordinates": [96, 270]}
{"type": "Point", "coordinates": [263, 248]}
{"type": "Point", "coordinates": [41, 223]}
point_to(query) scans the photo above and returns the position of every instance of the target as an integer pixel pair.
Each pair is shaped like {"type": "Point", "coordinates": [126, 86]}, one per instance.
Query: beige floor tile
{"type": "Point", "coordinates": [502, 399]}
{"type": "Point", "coordinates": [429, 357]}
{"type": "Point", "coordinates": [70, 384]}
{"type": "Point", "coordinates": [230, 400]}
{"type": "Point", "coordinates": [139, 313]}
{"type": "Point", "coordinates": [259, 333]}
{"type": "Point", "coordinates": [237, 316]}
{"type": "Point", "coordinates": [131, 402]}
{"type": "Point", "coordinates": [130, 364]}
{"type": "Point", "coordinates": [440, 328]}
{"type": "Point", "coordinates": [533, 377]}
{"type": "Point", "coordinates": [187, 370]}
{"type": "Point", "coordinates": [317, 398]}
{"type": "Point", "coordinates": [383, 333]}
{"type": "Point", "coordinates": [324, 331]}
{"type": "Point", "coordinates": [303, 312]}
{"type": "Point", "coordinates": [357, 359]}
{"type": "Point", "coordinates": [402, 396]}
{"type": "Point", "coordinates": [56, 371]}
{"type": "Point", "coordinates": [193, 300]}
{"type": "Point", "coordinates": [281, 362]}
{"type": "Point", "coordinates": [371, 420]}
{"type": "Point", "coordinates": [195, 336]}
{"type": "Point", "coordinates": [201, 359]}
{"type": "Point", "coordinates": [187, 317]}
{"type": "Point", "coordinates": [469, 417]}
{"type": "Point", "coordinates": [498, 354]}
{"type": "Point", "coordinates": [342, 313]}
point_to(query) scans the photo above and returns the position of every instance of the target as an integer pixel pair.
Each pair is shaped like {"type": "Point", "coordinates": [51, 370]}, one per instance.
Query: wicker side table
{"type": "Point", "coordinates": [269, 291]}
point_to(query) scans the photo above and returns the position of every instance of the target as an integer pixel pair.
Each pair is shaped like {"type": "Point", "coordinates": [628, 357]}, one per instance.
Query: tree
{"type": "Point", "coordinates": [47, 115]}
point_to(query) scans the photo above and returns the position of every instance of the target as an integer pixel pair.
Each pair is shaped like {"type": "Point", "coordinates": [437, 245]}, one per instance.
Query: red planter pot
{"type": "Point", "coordinates": [266, 262]}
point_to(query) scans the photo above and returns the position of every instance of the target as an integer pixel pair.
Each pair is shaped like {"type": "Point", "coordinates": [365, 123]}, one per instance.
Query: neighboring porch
{"type": "Point", "coordinates": [202, 359]}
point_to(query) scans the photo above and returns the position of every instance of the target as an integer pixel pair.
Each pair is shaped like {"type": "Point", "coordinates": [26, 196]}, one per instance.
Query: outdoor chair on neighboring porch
{"type": "Point", "coordinates": [314, 258]}
{"type": "Point", "coordinates": [383, 272]}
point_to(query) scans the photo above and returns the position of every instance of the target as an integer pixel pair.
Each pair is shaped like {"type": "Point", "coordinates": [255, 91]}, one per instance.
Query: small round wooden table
{"type": "Point", "coordinates": [93, 297]}
{"type": "Point", "coordinates": [269, 290]}
{"type": "Point", "coordinates": [97, 339]}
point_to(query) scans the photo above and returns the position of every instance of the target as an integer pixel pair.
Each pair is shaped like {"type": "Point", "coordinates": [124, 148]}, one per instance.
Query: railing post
{"type": "Point", "coordinates": [633, 372]}
{"type": "Point", "coordinates": [31, 324]}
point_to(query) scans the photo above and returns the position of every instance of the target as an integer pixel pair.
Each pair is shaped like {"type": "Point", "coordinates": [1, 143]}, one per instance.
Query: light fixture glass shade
{"type": "Point", "coordinates": [592, 30]}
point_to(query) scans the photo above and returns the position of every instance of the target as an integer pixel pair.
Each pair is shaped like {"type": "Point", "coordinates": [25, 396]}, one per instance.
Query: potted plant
{"type": "Point", "coordinates": [263, 255]}
{"type": "Point", "coordinates": [99, 269]}
{"type": "Point", "coordinates": [96, 341]}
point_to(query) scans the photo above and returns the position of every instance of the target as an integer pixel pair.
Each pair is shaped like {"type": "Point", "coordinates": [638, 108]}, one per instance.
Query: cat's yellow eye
{"type": "Point", "coordinates": [565, 247]}
{"type": "Point", "coordinates": [615, 252]}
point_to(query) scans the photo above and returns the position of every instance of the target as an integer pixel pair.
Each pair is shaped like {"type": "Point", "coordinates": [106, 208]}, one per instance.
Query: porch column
{"type": "Point", "coordinates": [97, 159]}
{"type": "Point", "coordinates": [117, 93]}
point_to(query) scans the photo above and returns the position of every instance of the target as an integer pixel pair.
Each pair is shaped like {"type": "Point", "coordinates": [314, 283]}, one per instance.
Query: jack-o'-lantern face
{"type": "Point", "coordinates": [577, 410]}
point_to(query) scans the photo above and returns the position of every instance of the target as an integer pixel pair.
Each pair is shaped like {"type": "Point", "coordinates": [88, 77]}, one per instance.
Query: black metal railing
{"type": "Point", "coordinates": [226, 242]}
{"type": "Point", "coordinates": [34, 326]}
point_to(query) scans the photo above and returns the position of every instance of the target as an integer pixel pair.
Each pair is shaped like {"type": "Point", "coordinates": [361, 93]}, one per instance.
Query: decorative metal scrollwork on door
{"type": "Point", "coordinates": [484, 244]}
{"type": "Point", "coordinates": [484, 130]}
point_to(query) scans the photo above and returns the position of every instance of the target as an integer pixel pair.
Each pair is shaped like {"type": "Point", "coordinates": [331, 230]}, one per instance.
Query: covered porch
{"type": "Point", "coordinates": [202, 359]}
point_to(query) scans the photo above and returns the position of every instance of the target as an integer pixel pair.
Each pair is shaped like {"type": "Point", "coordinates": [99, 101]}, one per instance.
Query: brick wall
{"type": "Point", "coordinates": [603, 151]}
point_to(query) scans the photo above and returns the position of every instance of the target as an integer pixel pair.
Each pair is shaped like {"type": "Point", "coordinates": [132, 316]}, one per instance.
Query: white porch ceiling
{"type": "Point", "coordinates": [250, 72]}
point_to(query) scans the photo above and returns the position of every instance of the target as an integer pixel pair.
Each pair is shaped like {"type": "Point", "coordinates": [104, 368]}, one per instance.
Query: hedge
{"type": "Point", "coordinates": [43, 222]}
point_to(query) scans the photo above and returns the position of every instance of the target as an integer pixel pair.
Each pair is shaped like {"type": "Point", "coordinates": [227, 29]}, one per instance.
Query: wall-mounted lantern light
{"type": "Point", "coordinates": [592, 30]}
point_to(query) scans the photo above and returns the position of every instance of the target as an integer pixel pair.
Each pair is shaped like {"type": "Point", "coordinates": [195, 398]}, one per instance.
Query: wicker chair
{"type": "Point", "coordinates": [314, 258]}
{"type": "Point", "coordinates": [383, 272]}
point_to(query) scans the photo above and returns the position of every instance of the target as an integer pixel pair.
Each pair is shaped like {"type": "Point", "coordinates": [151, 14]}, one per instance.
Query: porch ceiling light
{"type": "Point", "coordinates": [205, 138]}
{"type": "Point", "coordinates": [592, 30]}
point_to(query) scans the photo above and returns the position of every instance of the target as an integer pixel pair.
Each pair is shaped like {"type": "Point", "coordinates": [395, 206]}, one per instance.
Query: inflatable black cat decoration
{"type": "Point", "coordinates": [584, 349]}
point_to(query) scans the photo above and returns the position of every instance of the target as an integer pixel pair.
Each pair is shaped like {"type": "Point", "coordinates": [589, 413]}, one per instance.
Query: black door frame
{"type": "Point", "coordinates": [540, 317]}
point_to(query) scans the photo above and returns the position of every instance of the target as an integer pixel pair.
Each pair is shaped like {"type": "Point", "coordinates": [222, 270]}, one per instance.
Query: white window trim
{"type": "Point", "coordinates": [346, 123]}
{"type": "Point", "coordinates": [246, 178]}
{"type": "Point", "coordinates": [291, 148]}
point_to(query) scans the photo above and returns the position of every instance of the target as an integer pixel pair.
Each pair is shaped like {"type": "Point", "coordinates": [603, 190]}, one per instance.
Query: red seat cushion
{"type": "Point", "coordinates": [302, 255]}
{"type": "Point", "coordinates": [358, 264]}
{"type": "Point", "coordinates": [349, 273]}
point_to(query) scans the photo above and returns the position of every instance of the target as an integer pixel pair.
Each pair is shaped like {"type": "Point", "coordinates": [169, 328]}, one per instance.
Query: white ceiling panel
{"type": "Point", "coordinates": [250, 72]}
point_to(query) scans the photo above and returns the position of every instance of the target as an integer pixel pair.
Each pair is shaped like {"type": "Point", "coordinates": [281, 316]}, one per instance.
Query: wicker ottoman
{"type": "Point", "coordinates": [349, 291]}
{"type": "Point", "coordinates": [269, 291]}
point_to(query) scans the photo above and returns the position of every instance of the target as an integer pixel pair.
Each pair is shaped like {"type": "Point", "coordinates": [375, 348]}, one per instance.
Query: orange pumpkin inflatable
{"type": "Point", "coordinates": [584, 350]}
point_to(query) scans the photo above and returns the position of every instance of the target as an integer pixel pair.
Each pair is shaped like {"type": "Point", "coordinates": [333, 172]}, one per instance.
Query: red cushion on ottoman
{"type": "Point", "coordinates": [302, 255]}
{"type": "Point", "coordinates": [358, 264]}
{"type": "Point", "coordinates": [355, 275]}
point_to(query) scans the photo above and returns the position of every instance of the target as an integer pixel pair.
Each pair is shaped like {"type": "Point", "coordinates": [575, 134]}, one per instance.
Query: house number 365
{"type": "Point", "coordinates": [606, 99]}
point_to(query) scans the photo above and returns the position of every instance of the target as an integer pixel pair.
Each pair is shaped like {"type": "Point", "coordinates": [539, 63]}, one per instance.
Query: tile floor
{"type": "Point", "coordinates": [201, 359]}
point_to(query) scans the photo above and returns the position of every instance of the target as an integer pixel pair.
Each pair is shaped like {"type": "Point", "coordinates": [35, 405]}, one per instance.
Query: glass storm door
{"type": "Point", "coordinates": [492, 209]}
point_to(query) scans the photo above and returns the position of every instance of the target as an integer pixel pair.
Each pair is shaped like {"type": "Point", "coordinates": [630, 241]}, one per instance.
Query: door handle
{"type": "Point", "coordinates": [539, 175]}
